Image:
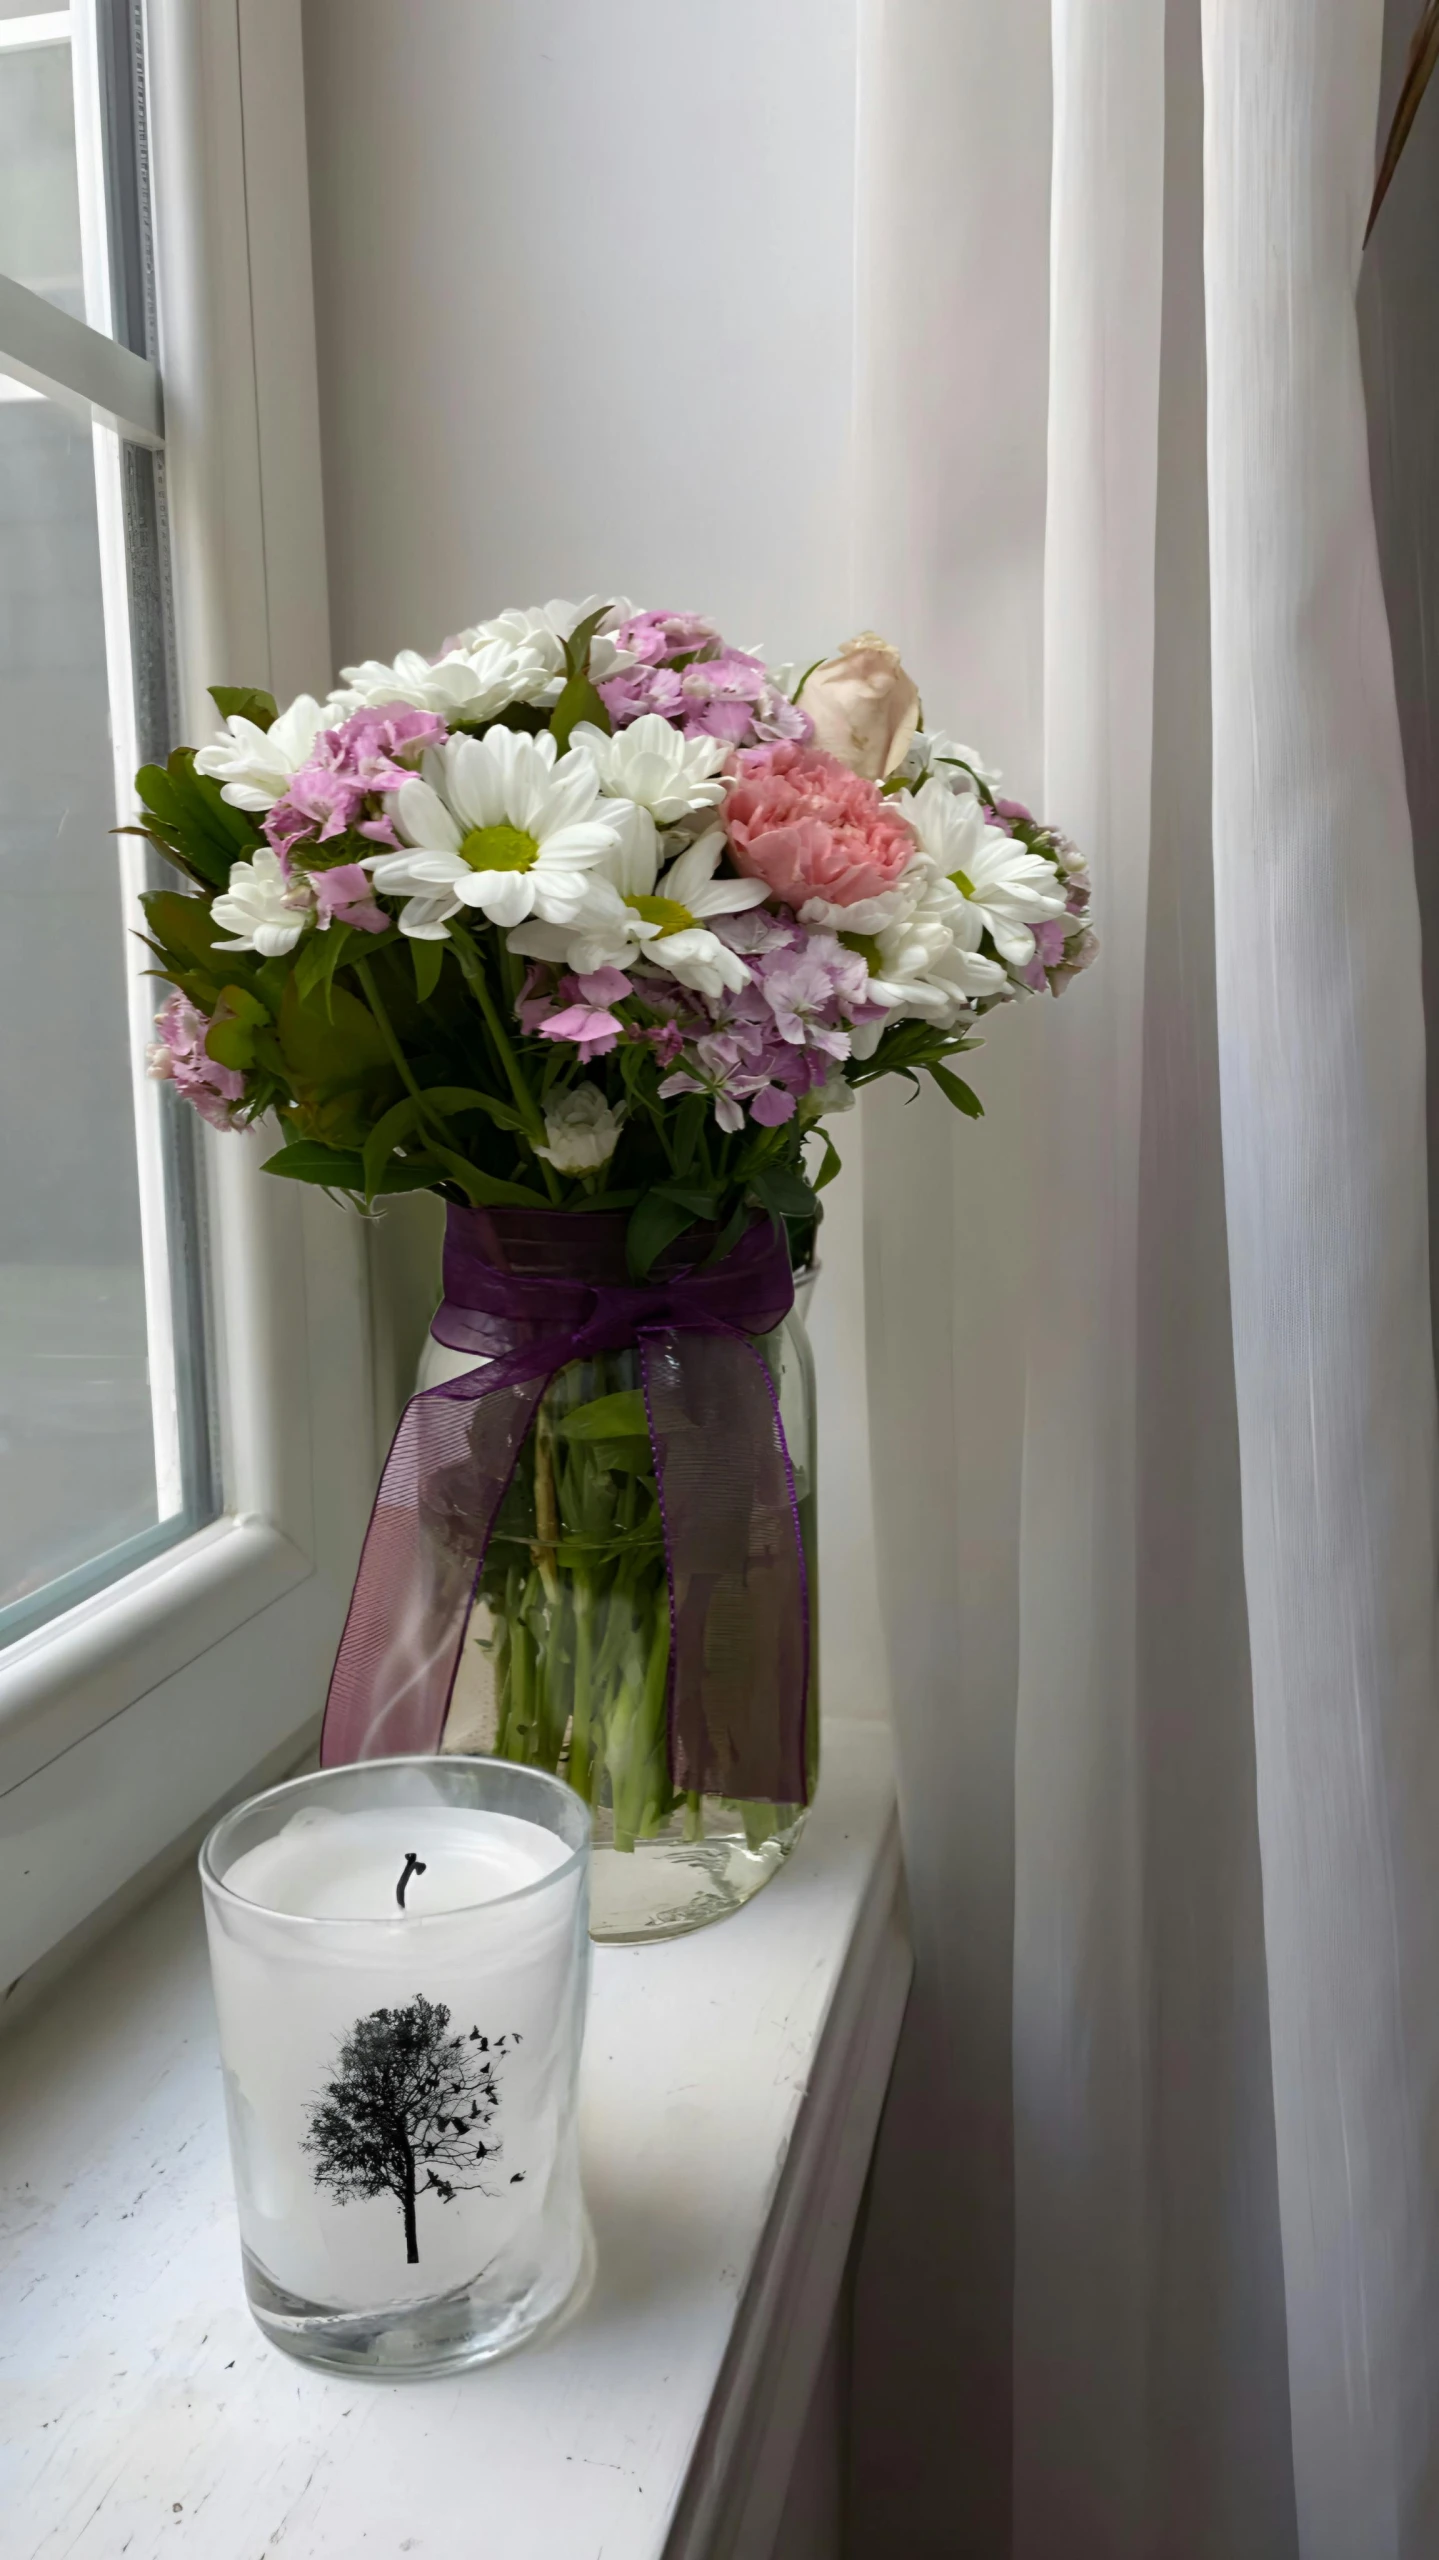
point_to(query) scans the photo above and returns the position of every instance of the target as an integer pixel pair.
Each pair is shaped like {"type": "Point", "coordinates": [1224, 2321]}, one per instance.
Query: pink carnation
{"type": "Point", "coordinates": [180, 1057]}
{"type": "Point", "coordinates": [802, 822]}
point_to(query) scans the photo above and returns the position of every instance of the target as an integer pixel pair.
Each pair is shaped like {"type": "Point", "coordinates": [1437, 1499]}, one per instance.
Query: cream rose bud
{"type": "Point", "coordinates": [865, 708]}
{"type": "Point", "coordinates": [582, 1130]}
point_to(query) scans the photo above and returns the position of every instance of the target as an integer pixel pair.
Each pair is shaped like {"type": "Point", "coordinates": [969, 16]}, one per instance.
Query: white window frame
{"type": "Point", "coordinates": [126, 1720]}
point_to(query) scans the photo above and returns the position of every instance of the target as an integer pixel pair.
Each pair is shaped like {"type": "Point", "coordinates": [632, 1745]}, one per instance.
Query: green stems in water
{"type": "Point", "coordinates": [577, 1594]}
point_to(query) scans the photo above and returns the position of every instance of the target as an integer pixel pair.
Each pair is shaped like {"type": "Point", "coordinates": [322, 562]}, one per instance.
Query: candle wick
{"type": "Point", "coordinates": [413, 1867]}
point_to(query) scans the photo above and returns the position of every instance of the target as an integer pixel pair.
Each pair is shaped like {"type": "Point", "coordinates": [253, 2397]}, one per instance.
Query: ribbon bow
{"type": "Point", "coordinates": [528, 1291]}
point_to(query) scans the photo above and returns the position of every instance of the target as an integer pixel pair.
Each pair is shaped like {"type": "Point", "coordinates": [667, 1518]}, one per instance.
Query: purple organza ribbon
{"type": "Point", "coordinates": [528, 1291]}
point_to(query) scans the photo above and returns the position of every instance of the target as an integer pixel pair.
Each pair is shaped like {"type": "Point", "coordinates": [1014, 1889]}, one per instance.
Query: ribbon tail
{"type": "Point", "coordinates": [738, 1582]}
{"type": "Point", "coordinates": [448, 1470]}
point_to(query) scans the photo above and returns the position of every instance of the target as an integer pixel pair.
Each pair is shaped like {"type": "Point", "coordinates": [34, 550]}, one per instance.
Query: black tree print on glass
{"type": "Point", "coordinates": [408, 2111]}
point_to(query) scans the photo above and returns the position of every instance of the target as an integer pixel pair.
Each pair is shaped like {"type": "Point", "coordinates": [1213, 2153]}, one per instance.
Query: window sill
{"type": "Point", "coordinates": [732, 2089]}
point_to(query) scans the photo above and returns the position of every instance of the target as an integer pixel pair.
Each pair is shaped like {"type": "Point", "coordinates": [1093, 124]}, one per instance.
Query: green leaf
{"type": "Point", "coordinates": [654, 1224]}
{"type": "Point", "coordinates": [623, 1457]}
{"type": "Point", "coordinates": [335, 1168]}
{"type": "Point", "coordinates": [328, 1054]}
{"type": "Point", "coordinates": [783, 1191]}
{"type": "Point", "coordinates": [621, 1416]}
{"type": "Point", "coordinates": [457, 1098]}
{"type": "Point", "coordinates": [579, 701]}
{"type": "Point", "coordinates": [231, 1044]}
{"type": "Point", "coordinates": [688, 1122]}
{"type": "Point", "coordinates": [158, 793]}
{"type": "Point", "coordinates": [730, 1233]}
{"type": "Point", "coordinates": [701, 1202]}
{"type": "Point", "coordinates": [206, 813]}
{"type": "Point", "coordinates": [244, 702]}
{"type": "Point", "coordinates": [830, 1162]}
{"type": "Point", "coordinates": [955, 1090]}
{"type": "Point", "coordinates": [577, 647]}
{"type": "Point", "coordinates": [383, 1140]}
{"type": "Point", "coordinates": [429, 960]}
{"type": "Point", "coordinates": [181, 831]}
{"type": "Point", "coordinates": [184, 926]}
{"type": "Point", "coordinates": [320, 956]}
{"type": "Point", "coordinates": [244, 1006]}
{"type": "Point", "coordinates": [413, 1173]}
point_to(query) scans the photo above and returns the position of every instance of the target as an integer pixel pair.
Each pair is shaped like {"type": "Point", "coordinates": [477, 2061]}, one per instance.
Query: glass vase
{"type": "Point", "coordinates": [566, 1658]}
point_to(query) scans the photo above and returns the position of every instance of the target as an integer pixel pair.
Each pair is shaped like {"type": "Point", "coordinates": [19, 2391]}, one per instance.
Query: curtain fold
{"type": "Point", "coordinates": [1179, 1558]}
{"type": "Point", "coordinates": [1322, 1082]}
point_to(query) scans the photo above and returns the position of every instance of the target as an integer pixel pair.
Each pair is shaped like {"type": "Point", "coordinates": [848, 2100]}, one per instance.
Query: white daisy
{"type": "Point", "coordinates": [497, 823]}
{"type": "Point", "coordinates": [263, 909]}
{"type": "Point", "coordinates": [544, 629]}
{"type": "Point", "coordinates": [1004, 888]}
{"type": "Point", "coordinates": [654, 765]}
{"type": "Point", "coordinates": [920, 965]}
{"type": "Point", "coordinates": [465, 684]}
{"type": "Point", "coordinates": [255, 767]}
{"type": "Point", "coordinates": [633, 911]}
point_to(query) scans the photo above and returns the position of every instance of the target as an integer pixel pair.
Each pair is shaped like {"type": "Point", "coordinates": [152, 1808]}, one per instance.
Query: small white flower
{"type": "Point", "coordinates": [632, 911]}
{"type": "Point", "coordinates": [255, 767]}
{"type": "Point", "coordinates": [262, 909]}
{"type": "Point", "coordinates": [465, 684]}
{"type": "Point", "coordinates": [955, 764]}
{"type": "Point", "coordinates": [499, 823]}
{"type": "Point", "coordinates": [1004, 888]}
{"type": "Point", "coordinates": [543, 629]}
{"type": "Point", "coordinates": [656, 766]}
{"type": "Point", "coordinates": [582, 1129]}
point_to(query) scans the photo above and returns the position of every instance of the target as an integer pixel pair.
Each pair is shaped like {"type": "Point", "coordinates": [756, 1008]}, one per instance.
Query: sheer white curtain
{"type": "Point", "coordinates": [1157, 1527]}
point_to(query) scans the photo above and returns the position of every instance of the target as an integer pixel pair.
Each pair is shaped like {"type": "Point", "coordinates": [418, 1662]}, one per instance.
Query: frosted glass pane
{"type": "Point", "coordinates": [39, 190]}
{"type": "Point", "coordinates": [77, 1440]}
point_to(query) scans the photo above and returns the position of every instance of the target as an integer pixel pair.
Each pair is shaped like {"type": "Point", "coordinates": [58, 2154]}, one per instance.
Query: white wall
{"type": "Point", "coordinates": [584, 286]}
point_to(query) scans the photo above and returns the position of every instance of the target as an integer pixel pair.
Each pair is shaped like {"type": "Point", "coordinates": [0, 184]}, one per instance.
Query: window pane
{"type": "Point", "coordinates": [40, 236]}
{"type": "Point", "coordinates": [86, 1462]}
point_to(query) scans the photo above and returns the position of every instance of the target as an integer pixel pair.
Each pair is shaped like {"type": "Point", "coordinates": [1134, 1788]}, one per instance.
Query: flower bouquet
{"type": "Point", "coordinates": [591, 924]}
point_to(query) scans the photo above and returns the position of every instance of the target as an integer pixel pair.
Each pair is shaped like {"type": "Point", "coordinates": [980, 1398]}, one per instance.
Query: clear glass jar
{"type": "Point", "coordinates": [567, 1651]}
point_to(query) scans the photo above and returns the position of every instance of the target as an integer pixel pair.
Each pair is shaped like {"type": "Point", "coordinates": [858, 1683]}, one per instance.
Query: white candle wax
{"type": "Point", "coordinates": [351, 1866]}
{"type": "Point", "coordinates": [399, 2076]}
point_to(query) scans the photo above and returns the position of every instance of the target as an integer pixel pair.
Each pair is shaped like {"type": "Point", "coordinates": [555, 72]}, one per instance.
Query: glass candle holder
{"type": "Point", "coordinates": [400, 1958]}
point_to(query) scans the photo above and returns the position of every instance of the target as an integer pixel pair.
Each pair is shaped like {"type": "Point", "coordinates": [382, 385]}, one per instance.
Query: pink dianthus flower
{"type": "Point", "coordinates": [180, 1057]}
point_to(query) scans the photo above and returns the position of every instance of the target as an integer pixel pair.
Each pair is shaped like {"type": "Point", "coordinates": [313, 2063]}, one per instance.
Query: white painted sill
{"type": "Point", "coordinates": [731, 2095]}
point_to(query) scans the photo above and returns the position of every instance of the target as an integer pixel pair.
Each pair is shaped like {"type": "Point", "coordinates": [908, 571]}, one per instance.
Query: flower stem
{"type": "Point", "coordinates": [375, 1001]}
{"type": "Point", "coordinates": [474, 969]}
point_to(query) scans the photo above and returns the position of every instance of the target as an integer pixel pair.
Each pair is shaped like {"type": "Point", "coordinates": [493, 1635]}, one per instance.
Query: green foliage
{"type": "Point", "coordinates": [783, 1190]}
{"type": "Point", "coordinates": [955, 1090]}
{"type": "Point", "coordinates": [341, 1169]}
{"type": "Point", "coordinates": [244, 702]}
{"type": "Point", "coordinates": [320, 955]}
{"type": "Point", "coordinates": [579, 699]}
{"type": "Point", "coordinates": [657, 1222]}
{"type": "Point", "coordinates": [427, 959]}
{"type": "Point", "coordinates": [187, 819]}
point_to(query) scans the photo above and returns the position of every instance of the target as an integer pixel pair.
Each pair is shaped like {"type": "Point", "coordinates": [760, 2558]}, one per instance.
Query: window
{"type": "Point", "coordinates": [187, 1427]}
{"type": "Point", "coordinates": [103, 1410]}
